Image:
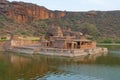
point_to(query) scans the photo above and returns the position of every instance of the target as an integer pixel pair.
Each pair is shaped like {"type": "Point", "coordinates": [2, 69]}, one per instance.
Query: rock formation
{"type": "Point", "coordinates": [3, 1]}
{"type": "Point", "coordinates": [27, 12]}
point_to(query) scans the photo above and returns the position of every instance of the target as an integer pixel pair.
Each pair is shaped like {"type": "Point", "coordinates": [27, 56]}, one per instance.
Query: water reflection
{"type": "Point", "coordinates": [28, 67]}
{"type": "Point", "coordinates": [22, 67]}
{"type": "Point", "coordinates": [36, 67]}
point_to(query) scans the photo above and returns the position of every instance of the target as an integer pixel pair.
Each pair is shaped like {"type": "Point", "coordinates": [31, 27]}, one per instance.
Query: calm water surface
{"type": "Point", "coordinates": [35, 67]}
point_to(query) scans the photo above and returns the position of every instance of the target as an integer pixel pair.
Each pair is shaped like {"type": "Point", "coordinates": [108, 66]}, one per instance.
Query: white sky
{"type": "Point", "coordinates": [77, 5]}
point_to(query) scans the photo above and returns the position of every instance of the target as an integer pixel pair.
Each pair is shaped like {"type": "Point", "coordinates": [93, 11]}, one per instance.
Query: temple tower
{"type": "Point", "coordinates": [59, 32]}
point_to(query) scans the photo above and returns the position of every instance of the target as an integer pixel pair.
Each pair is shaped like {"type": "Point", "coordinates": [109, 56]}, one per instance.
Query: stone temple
{"type": "Point", "coordinates": [65, 39]}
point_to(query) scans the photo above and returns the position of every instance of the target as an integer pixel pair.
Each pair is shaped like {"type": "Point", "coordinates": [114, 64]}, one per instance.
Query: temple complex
{"type": "Point", "coordinates": [56, 42]}
{"type": "Point", "coordinates": [65, 39]}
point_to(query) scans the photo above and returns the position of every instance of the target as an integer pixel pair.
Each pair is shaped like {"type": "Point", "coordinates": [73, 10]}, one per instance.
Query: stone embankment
{"type": "Point", "coordinates": [60, 52]}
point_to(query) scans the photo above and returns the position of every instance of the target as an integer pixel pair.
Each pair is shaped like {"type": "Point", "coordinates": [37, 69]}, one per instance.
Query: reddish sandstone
{"type": "Point", "coordinates": [27, 12]}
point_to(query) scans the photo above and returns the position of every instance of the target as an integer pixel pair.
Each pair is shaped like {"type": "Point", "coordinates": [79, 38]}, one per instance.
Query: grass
{"type": "Point", "coordinates": [2, 40]}
{"type": "Point", "coordinates": [35, 39]}
{"type": "Point", "coordinates": [32, 38]}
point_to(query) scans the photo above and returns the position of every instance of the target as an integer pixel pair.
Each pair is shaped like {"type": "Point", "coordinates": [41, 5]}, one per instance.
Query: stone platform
{"type": "Point", "coordinates": [60, 52]}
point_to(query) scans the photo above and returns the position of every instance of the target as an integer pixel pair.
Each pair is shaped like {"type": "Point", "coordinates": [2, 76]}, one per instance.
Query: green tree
{"type": "Point", "coordinates": [89, 29]}
{"type": "Point", "coordinates": [107, 40]}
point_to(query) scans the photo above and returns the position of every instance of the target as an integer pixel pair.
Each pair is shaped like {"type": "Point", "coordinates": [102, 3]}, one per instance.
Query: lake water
{"type": "Point", "coordinates": [37, 67]}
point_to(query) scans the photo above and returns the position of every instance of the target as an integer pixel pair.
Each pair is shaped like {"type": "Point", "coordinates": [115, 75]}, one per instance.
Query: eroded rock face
{"type": "Point", "coordinates": [3, 1]}
{"type": "Point", "coordinates": [27, 12]}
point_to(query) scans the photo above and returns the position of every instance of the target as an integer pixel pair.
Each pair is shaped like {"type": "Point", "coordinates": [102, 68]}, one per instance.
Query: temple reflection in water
{"type": "Point", "coordinates": [28, 66]}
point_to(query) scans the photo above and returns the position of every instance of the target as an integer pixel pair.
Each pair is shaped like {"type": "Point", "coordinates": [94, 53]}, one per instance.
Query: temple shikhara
{"type": "Point", "coordinates": [65, 39]}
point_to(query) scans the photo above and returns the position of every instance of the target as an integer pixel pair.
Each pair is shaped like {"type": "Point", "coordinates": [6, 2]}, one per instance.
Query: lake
{"type": "Point", "coordinates": [38, 67]}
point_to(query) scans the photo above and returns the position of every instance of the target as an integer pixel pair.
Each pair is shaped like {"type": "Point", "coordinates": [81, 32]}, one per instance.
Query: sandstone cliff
{"type": "Point", "coordinates": [107, 23]}
{"type": "Point", "coordinates": [27, 12]}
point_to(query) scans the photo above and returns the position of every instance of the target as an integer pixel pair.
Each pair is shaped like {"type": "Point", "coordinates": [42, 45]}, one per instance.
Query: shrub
{"type": "Point", "coordinates": [3, 38]}
{"type": "Point", "coordinates": [107, 40]}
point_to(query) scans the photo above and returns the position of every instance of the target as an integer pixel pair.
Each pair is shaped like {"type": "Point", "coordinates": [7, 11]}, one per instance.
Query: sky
{"type": "Point", "coordinates": [77, 5]}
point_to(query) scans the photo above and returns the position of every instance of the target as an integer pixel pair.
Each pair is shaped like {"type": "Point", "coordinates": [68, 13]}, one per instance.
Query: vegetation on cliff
{"type": "Point", "coordinates": [99, 24]}
{"type": "Point", "coordinates": [32, 20]}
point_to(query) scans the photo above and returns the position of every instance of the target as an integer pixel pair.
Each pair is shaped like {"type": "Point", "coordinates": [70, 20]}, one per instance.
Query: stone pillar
{"type": "Point", "coordinates": [75, 45]}
{"type": "Point", "coordinates": [72, 45]}
{"type": "Point", "coordinates": [65, 46]}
